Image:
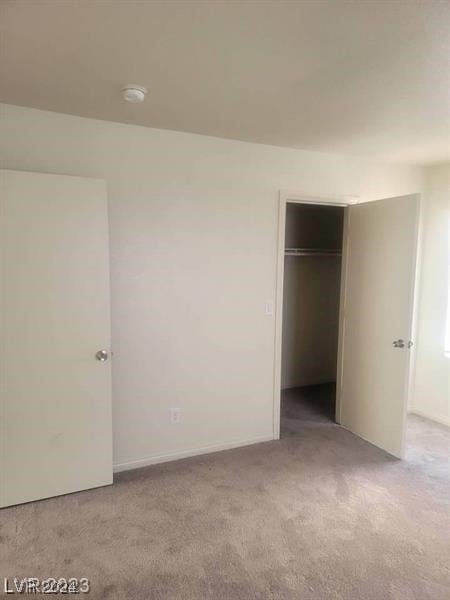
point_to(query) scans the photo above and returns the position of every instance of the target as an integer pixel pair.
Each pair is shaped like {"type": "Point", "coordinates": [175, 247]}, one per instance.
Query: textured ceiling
{"type": "Point", "coordinates": [360, 77]}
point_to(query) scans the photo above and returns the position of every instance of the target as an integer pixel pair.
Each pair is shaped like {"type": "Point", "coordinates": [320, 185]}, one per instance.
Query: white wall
{"type": "Point", "coordinates": [193, 225]}
{"type": "Point", "coordinates": [431, 386]}
{"type": "Point", "coordinates": [311, 294]}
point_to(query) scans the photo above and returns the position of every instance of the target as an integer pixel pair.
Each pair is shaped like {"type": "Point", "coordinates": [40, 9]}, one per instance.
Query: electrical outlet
{"type": "Point", "coordinates": [174, 415]}
{"type": "Point", "coordinates": [268, 308]}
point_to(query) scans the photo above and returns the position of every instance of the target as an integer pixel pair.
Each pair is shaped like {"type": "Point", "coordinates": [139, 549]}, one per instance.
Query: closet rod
{"type": "Point", "coordinates": [311, 252]}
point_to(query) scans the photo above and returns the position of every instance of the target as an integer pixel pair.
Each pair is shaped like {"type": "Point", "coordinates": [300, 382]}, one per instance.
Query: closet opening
{"type": "Point", "coordinates": [310, 315]}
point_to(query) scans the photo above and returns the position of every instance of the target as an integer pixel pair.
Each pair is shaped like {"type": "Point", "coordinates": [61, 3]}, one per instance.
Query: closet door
{"type": "Point", "coordinates": [55, 393]}
{"type": "Point", "coordinates": [378, 305]}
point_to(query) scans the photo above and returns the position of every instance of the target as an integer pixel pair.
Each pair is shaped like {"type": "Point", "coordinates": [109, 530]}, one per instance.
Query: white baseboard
{"type": "Point", "coordinates": [441, 419]}
{"type": "Point", "coordinates": [154, 460]}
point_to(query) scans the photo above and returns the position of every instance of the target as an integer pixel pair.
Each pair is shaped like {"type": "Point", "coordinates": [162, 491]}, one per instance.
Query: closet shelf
{"type": "Point", "coordinates": [312, 252]}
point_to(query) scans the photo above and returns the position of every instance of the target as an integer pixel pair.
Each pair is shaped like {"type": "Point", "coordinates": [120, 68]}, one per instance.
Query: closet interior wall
{"type": "Point", "coordinates": [311, 295]}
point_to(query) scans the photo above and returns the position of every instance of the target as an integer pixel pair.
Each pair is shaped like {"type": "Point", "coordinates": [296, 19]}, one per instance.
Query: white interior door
{"type": "Point", "coordinates": [378, 305]}
{"type": "Point", "coordinates": [55, 396]}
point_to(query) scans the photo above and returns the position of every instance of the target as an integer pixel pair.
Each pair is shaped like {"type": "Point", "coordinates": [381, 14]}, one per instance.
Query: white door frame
{"type": "Point", "coordinates": [296, 198]}
{"type": "Point", "coordinates": [344, 201]}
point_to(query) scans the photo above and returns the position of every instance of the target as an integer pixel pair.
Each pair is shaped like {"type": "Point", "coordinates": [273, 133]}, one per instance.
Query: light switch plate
{"type": "Point", "coordinates": [174, 415]}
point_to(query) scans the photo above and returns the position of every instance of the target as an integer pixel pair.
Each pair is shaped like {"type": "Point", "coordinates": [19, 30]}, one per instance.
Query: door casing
{"type": "Point", "coordinates": [345, 202]}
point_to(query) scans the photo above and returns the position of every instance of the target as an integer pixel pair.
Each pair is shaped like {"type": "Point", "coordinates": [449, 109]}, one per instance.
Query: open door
{"type": "Point", "coordinates": [55, 379]}
{"type": "Point", "coordinates": [377, 320]}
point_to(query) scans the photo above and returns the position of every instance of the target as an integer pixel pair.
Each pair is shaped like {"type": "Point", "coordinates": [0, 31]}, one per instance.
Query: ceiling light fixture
{"type": "Point", "coordinates": [134, 93]}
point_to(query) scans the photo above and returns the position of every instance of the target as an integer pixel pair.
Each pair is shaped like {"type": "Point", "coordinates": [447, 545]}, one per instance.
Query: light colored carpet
{"type": "Point", "coordinates": [319, 514]}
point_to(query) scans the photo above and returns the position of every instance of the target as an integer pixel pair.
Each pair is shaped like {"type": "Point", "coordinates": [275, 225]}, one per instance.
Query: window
{"type": "Point", "coordinates": [447, 330]}
{"type": "Point", "coordinates": [447, 327]}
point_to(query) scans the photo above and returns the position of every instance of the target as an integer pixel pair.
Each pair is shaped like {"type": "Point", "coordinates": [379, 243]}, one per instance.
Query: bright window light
{"type": "Point", "coordinates": [447, 327]}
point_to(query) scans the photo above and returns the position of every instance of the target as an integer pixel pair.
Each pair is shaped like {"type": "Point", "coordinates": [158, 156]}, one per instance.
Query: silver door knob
{"type": "Point", "coordinates": [398, 343]}
{"type": "Point", "coordinates": [101, 355]}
